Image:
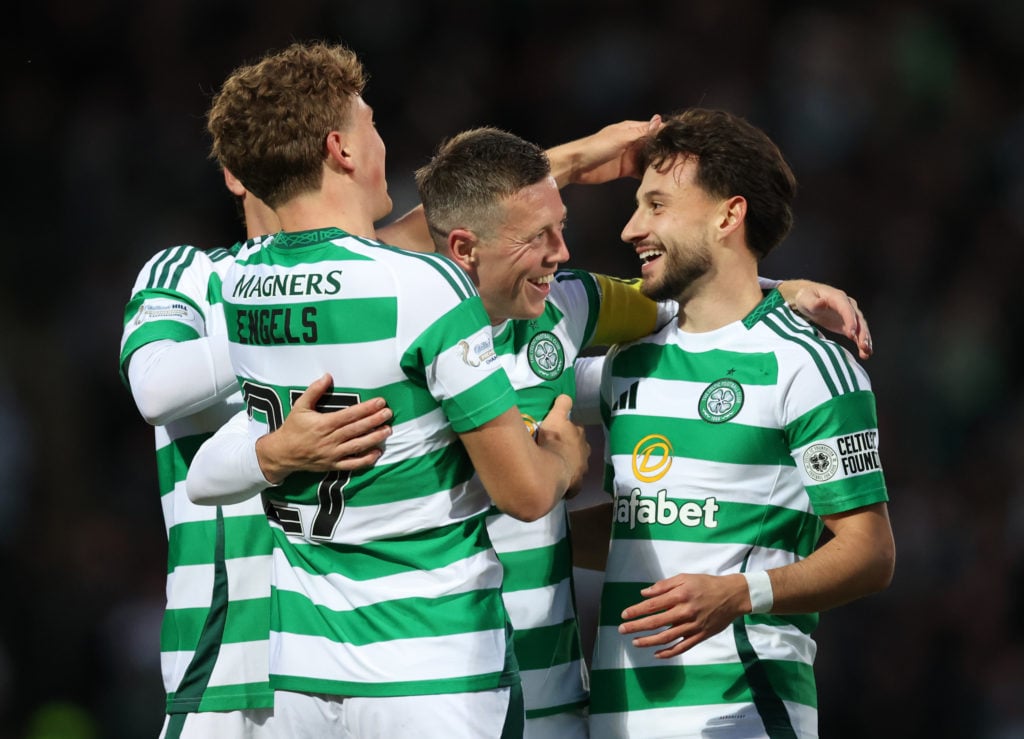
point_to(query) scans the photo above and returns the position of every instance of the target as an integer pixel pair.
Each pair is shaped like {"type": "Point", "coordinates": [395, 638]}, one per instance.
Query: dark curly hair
{"type": "Point", "coordinates": [733, 158]}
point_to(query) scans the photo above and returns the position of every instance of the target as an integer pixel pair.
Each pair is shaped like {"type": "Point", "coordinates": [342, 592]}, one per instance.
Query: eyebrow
{"type": "Point", "coordinates": [534, 231]}
{"type": "Point", "coordinates": [651, 195]}
{"type": "Point", "coordinates": [565, 215]}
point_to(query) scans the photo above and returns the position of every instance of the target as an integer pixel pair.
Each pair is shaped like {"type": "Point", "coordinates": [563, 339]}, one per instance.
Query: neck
{"type": "Point", "coordinates": [259, 222]}
{"type": "Point", "coordinates": [725, 294]}
{"type": "Point", "coordinates": [315, 210]}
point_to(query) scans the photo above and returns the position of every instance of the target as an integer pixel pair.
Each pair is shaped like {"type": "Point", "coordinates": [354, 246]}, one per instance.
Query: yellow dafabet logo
{"type": "Point", "coordinates": [652, 458]}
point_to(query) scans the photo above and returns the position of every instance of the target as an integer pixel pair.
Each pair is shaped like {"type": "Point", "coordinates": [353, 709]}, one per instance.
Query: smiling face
{"type": "Point", "coordinates": [514, 268]}
{"type": "Point", "coordinates": [671, 229]}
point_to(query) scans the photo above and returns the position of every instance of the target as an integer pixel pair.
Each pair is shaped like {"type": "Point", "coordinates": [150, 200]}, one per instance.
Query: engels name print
{"type": "Point", "coordinates": [282, 325]}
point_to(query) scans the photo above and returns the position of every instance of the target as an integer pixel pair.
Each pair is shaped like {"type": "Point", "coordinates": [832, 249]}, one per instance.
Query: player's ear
{"type": "Point", "coordinates": [733, 212]}
{"type": "Point", "coordinates": [462, 246]}
{"type": "Point", "coordinates": [233, 184]}
{"type": "Point", "coordinates": [337, 153]}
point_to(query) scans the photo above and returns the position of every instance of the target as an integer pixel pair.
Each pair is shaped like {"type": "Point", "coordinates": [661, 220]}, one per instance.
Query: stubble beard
{"type": "Point", "coordinates": [683, 266]}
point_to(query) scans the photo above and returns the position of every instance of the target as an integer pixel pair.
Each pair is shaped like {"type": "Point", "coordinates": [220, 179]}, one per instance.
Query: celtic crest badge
{"type": "Point", "coordinates": [546, 355]}
{"type": "Point", "coordinates": [720, 401]}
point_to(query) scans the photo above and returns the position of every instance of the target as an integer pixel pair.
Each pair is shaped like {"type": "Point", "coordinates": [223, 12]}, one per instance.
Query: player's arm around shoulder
{"type": "Point", "coordinates": [231, 466]}
{"type": "Point", "coordinates": [830, 308]}
{"type": "Point", "coordinates": [410, 231]}
{"type": "Point", "coordinates": [625, 314]}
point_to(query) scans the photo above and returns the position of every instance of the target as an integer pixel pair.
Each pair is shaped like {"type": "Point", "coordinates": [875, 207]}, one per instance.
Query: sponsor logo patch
{"type": "Point", "coordinates": [162, 309]}
{"type": "Point", "coordinates": [820, 462]}
{"type": "Point", "coordinates": [842, 457]}
{"type": "Point", "coordinates": [661, 510]}
{"type": "Point", "coordinates": [479, 350]}
{"type": "Point", "coordinates": [652, 458]}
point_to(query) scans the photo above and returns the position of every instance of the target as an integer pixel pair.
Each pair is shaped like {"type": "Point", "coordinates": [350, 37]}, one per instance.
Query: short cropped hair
{"type": "Point", "coordinates": [270, 120]}
{"type": "Point", "coordinates": [733, 158]}
{"type": "Point", "coordinates": [470, 175]}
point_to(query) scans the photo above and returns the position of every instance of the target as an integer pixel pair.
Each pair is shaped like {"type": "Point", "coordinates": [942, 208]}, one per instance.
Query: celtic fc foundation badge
{"type": "Point", "coordinates": [821, 462]}
{"type": "Point", "coordinates": [546, 356]}
{"type": "Point", "coordinates": [720, 401]}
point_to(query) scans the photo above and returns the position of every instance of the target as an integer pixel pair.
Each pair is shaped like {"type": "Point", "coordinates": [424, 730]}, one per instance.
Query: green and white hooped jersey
{"type": "Point", "coordinates": [538, 356]}
{"type": "Point", "coordinates": [723, 450]}
{"type": "Point", "coordinates": [213, 643]}
{"type": "Point", "coordinates": [384, 581]}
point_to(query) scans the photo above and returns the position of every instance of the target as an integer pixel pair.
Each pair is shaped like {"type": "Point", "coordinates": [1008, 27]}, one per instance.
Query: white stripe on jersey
{"type": "Point", "coordinates": [189, 586]}
{"type": "Point", "coordinates": [672, 723]}
{"type": "Point", "coordinates": [239, 661]}
{"type": "Point", "coordinates": [361, 524]}
{"type": "Point", "coordinates": [339, 593]}
{"type": "Point", "coordinates": [538, 607]}
{"type": "Point", "coordinates": [633, 559]}
{"type": "Point", "coordinates": [424, 658]}
{"type": "Point", "coordinates": [546, 687]}
{"type": "Point", "coordinates": [774, 642]}
{"type": "Point", "coordinates": [518, 536]}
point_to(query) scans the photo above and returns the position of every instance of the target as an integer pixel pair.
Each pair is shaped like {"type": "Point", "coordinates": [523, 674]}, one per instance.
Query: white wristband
{"type": "Point", "coordinates": [759, 584]}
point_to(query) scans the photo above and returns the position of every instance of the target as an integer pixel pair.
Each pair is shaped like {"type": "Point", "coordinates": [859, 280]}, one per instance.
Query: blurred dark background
{"type": "Point", "coordinates": [904, 122]}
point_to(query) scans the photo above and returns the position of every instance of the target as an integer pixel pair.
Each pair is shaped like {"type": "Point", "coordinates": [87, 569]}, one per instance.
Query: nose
{"type": "Point", "coordinates": [560, 250]}
{"type": "Point", "coordinates": [632, 231]}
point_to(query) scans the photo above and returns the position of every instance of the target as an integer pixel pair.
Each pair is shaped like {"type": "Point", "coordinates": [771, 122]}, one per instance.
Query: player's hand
{"type": "Point", "coordinates": [684, 610]}
{"type": "Point", "coordinates": [310, 440]}
{"type": "Point", "coordinates": [559, 434]}
{"type": "Point", "coordinates": [830, 308]}
{"type": "Point", "coordinates": [601, 157]}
